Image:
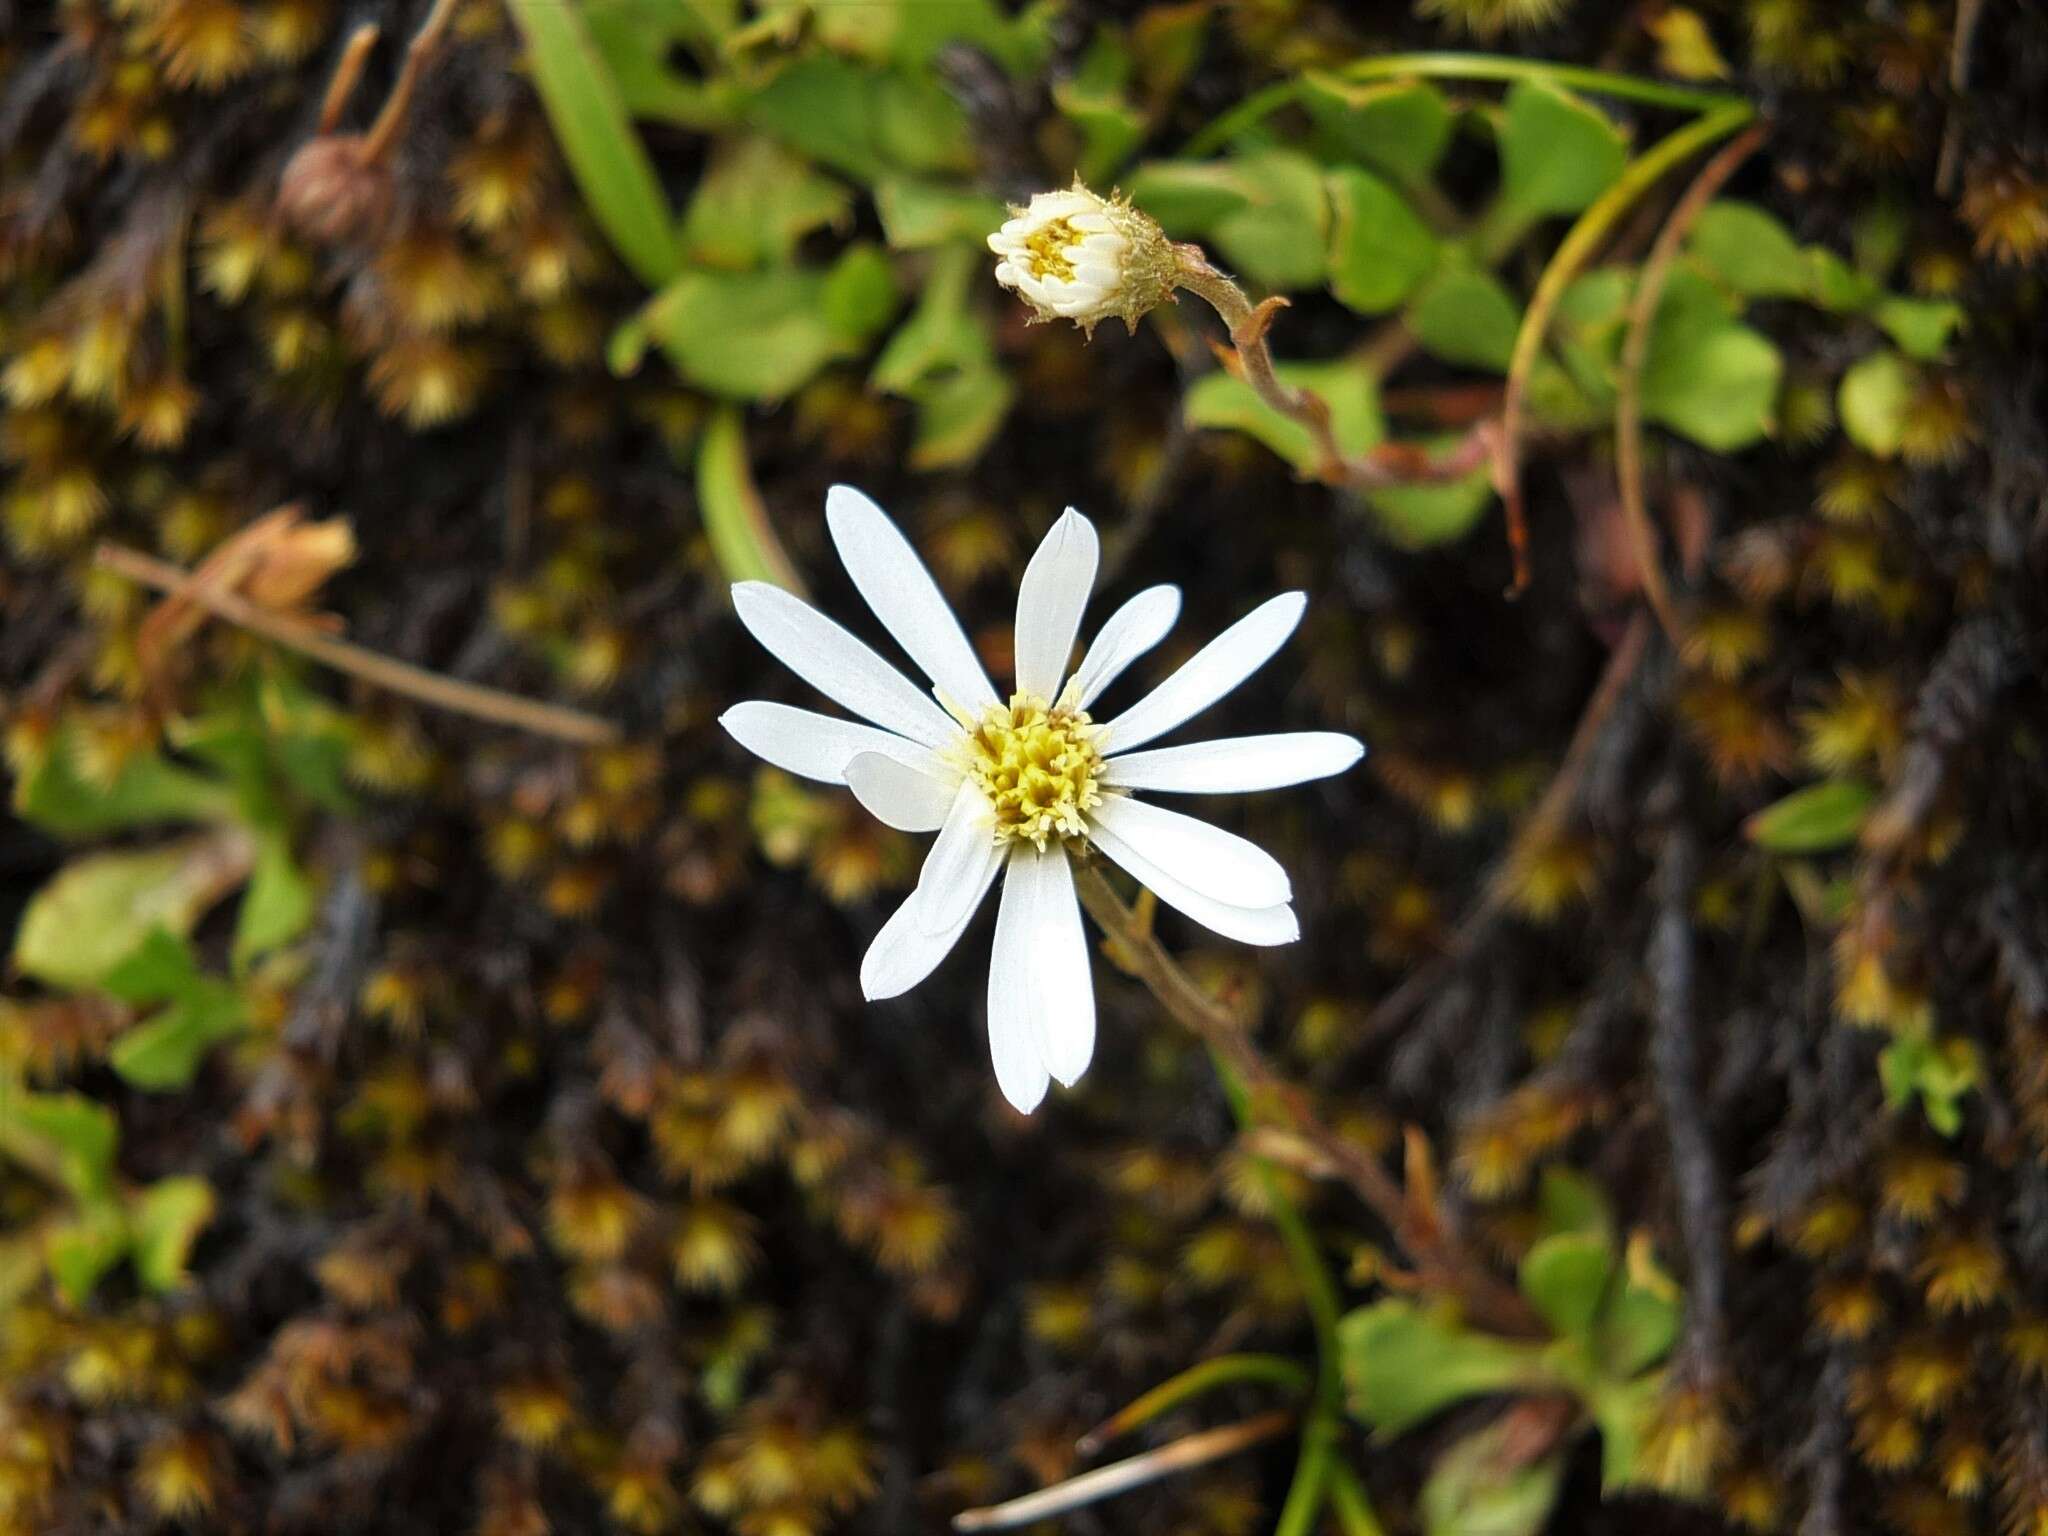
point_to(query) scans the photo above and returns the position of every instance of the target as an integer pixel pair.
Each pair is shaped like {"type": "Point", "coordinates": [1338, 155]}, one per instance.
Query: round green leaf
{"type": "Point", "coordinates": [1380, 250]}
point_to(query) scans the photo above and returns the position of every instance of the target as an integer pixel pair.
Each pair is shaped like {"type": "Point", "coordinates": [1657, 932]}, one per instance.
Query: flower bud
{"type": "Point", "coordinates": [335, 189]}
{"type": "Point", "coordinates": [1075, 256]}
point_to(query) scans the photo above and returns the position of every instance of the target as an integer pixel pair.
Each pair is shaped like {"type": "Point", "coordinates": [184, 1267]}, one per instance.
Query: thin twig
{"type": "Point", "coordinates": [1122, 1476]}
{"type": "Point", "coordinates": [1389, 464]}
{"type": "Point", "coordinates": [1968, 14]}
{"type": "Point", "coordinates": [383, 671]}
{"type": "Point", "coordinates": [348, 73]}
{"type": "Point", "coordinates": [419, 53]}
{"type": "Point", "coordinates": [1537, 828]}
{"type": "Point", "coordinates": [1635, 350]}
{"type": "Point", "coordinates": [1203, 1376]}
{"type": "Point", "coordinates": [1438, 1255]}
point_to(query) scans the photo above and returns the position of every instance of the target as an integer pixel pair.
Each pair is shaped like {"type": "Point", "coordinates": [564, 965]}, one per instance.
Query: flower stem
{"type": "Point", "coordinates": [1388, 464]}
{"type": "Point", "coordinates": [383, 671]}
{"type": "Point", "coordinates": [1347, 1497]}
{"type": "Point", "coordinates": [1440, 1258]}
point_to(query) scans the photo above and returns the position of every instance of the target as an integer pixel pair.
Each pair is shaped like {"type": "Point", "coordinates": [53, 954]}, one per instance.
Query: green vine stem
{"type": "Point", "coordinates": [1355, 1515]}
{"type": "Point", "coordinates": [1259, 106]}
{"type": "Point", "coordinates": [1572, 254]}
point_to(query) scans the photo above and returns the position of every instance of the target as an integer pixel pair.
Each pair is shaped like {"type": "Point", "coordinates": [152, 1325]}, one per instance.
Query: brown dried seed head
{"type": "Point", "coordinates": [335, 190]}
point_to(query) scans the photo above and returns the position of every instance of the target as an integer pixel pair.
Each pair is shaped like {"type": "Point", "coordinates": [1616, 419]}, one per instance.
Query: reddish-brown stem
{"type": "Point", "coordinates": [1388, 464]}
{"type": "Point", "coordinates": [348, 73]}
{"type": "Point", "coordinates": [1628, 410]}
{"type": "Point", "coordinates": [419, 53]}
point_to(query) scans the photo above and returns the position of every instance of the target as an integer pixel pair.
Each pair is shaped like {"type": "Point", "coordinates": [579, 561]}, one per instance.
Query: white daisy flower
{"type": "Point", "coordinates": [1075, 256]}
{"type": "Point", "coordinates": [1018, 787]}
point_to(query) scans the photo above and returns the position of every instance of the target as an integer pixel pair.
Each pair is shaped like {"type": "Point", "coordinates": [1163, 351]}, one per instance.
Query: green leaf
{"type": "Point", "coordinates": [149, 792]}
{"type": "Point", "coordinates": [1400, 127]}
{"type": "Point", "coordinates": [1836, 285]}
{"type": "Point", "coordinates": [1920, 328]}
{"type": "Point", "coordinates": [1379, 249]}
{"type": "Point", "coordinates": [83, 1248]}
{"type": "Point", "coordinates": [278, 905]}
{"type": "Point", "coordinates": [165, 1052]}
{"type": "Point", "coordinates": [755, 203]}
{"type": "Point", "coordinates": [1557, 154]}
{"type": "Point", "coordinates": [1483, 1485]}
{"type": "Point", "coordinates": [1403, 1365]}
{"type": "Point", "coordinates": [97, 910]}
{"type": "Point", "coordinates": [636, 39]}
{"type": "Point", "coordinates": [752, 335]}
{"type": "Point", "coordinates": [1565, 1278]}
{"type": "Point", "coordinates": [160, 967]}
{"type": "Point", "coordinates": [1939, 1072]}
{"type": "Point", "coordinates": [1189, 200]}
{"type": "Point", "coordinates": [1708, 376]}
{"type": "Point", "coordinates": [942, 335]}
{"type": "Point", "coordinates": [1621, 1410]}
{"type": "Point", "coordinates": [916, 214]}
{"type": "Point", "coordinates": [735, 518]}
{"type": "Point", "coordinates": [958, 415]}
{"type": "Point", "coordinates": [607, 159]}
{"type": "Point", "coordinates": [1418, 516]}
{"type": "Point", "coordinates": [1570, 1202]}
{"type": "Point", "coordinates": [64, 1137]}
{"type": "Point", "coordinates": [1873, 399]}
{"type": "Point", "coordinates": [863, 121]}
{"type": "Point", "coordinates": [1465, 316]}
{"type": "Point", "coordinates": [166, 1220]}
{"type": "Point", "coordinates": [1280, 238]}
{"type": "Point", "coordinates": [1347, 388]}
{"type": "Point", "coordinates": [1814, 819]}
{"type": "Point", "coordinates": [1750, 252]}
{"type": "Point", "coordinates": [859, 295]}
{"type": "Point", "coordinates": [1639, 1325]}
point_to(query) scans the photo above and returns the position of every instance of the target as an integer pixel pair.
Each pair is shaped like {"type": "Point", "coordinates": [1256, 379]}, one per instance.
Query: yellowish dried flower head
{"type": "Point", "coordinates": [1076, 256]}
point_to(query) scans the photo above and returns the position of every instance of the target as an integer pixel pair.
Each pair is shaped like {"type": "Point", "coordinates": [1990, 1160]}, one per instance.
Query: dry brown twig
{"type": "Point", "coordinates": [1413, 1215]}
{"type": "Point", "coordinates": [306, 637]}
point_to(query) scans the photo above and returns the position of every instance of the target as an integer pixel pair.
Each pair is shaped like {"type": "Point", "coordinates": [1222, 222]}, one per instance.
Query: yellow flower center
{"type": "Point", "coordinates": [1049, 247]}
{"type": "Point", "coordinates": [1038, 767]}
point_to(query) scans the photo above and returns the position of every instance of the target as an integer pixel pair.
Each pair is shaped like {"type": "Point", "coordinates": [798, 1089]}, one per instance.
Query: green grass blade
{"type": "Point", "coordinates": [597, 139]}
{"type": "Point", "coordinates": [735, 518]}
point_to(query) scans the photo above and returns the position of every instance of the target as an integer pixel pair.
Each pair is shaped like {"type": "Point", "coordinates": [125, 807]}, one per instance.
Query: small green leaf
{"type": "Point", "coordinates": [859, 295]}
{"type": "Point", "coordinates": [165, 1052]}
{"type": "Point", "coordinates": [1349, 389]}
{"type": "Point", "coordinates": [166, 1220]}
{"type": "Point", "coordinates": [755, 203]}
{"type": "Point", "coordinates": [1379, 249]}
{"type": "Point", "coordinates": [1557, 154]}
{"type": "Point", "coordinates": [606, 157]}
{"type": "Point", "coordinates": [159, 968]}
{"type": "Point", "coordinates": [83, 1248]}
{"type": "Point", "coordinates": [1403, 1364]}
{"type": "Point", "coordinates": [1938, 1072]}
{"type": "Point", "coordinates": [958, 415]}
{"type": "Point", "coordinates": [1280, 238]}
{"type": "Point", "coordinates": [864, 121]}
{"type": "Point", "coordinates": [735, 518]}
{"type": "Point", "coordinates": [1749, 251]}
{"type": "Point", "coordinates": [1621, 1410]}
{"type": "Point", "coordinates": [1189, 200]}
{"type": "Point", "coordinates": [1873, 399]}
{"type": "Point", "coordinates": [1814, 819]}
{"type": "Point", "coordinates": [752, 335]}
{"type": "Point", "coordinates": [1718, 387]}
{"type": "Point", "coordinates": [916, 214]}
{"type": "Point", "coordinates": [1465, 316]}
{"type": "Point", "coordinates": [1569, 1202]}
{"type": "Point", "coordinates": [1093, 99]}
{"type": "Point", "coordinates": [64, 1137]}
{"type": "Point", "coordinates": [1639, 1326]}
{"type": "Point", "coordinates": [1400, 127]}
{"type": "Point", "coordinates": [1838, 286]}
{"type": "Point", "coordinates": [278, 904]}
{"type": "Point", "coordinates": [149, 792]}
{"type": "Point", "coordinates": [100, 908]}
{"type": "Point", "coordinates": [1483, 1485]}
{"type": "Point", "coordinates": [1565, 1278]}
{"type": "Point", "coordinates": [1920, 328]}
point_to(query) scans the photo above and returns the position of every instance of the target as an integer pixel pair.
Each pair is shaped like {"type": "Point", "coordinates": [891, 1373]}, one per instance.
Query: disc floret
{"type": "Point", "coordinates": [1039, 766]}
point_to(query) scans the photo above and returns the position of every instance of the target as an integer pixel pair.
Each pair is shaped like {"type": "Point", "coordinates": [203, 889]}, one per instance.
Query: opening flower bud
{"type": "Point", "coordinates": [1076, 256]}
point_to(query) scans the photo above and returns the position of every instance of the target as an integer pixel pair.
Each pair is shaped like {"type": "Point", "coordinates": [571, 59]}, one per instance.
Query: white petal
{"type": "Point", "coordinates": [1219, 864]}
{"type": "Point", "coordinates": [1063, 989]}
{"type": "Point", "coordinates": [900, 797]}
{"type": "Point", "coordinates": [966, 848]}
{"type": "Point", "coordinates": [1264, 926]}
{"type": "Point", "coordinates": [905, 598]}
{"type": "Point", "coordinates": [815, 746]}
{"type": "Point", "coordinates": [1012, 1029]}
{"type": "Point", "coordinates": [1209, 674]}
{"type": "Point", "coordinates": [1236, 764]}
{"type": "Point", "coordinates": [1131, 631]}
{"type": "Point", "coordinates": [903, 954]}
{"type": "Point", "coordinates": [1049, 603]}
{"type": "Point", "coordinates": [839, 666]}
